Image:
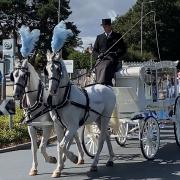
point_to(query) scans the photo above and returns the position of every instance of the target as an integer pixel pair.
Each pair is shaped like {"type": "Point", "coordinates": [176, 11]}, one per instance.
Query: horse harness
{"type": "Point", "coordinates": [35, 106]}
{"type": "Point", "coordinates": [67, 100]}
{"type": "Point", "coordinates": [51, 107]}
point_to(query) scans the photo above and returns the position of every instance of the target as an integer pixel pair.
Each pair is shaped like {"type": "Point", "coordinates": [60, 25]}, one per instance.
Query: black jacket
{"type": "Point", "coordinates": [106, 67]}
{"type": "Point", "coordinates": [102, 44]}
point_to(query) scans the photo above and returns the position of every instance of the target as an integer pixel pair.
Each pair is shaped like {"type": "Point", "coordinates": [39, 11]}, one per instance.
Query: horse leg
{"type": "Point", "coordinates": [80, 150]}
{"type": "Point", "coordinates": [43, 144]}
{"type": "Point", "coordinates": [64, 144]}
{"type": "Point", "coordinates": [102, 138]}
{"type": "Point", "coordinates": [110, 149]}
{"type": "Point", "coordinates": [79, 147]}
{"type": "Point", "coordinates": [60, 163]}
{"type": "Point", "coordinates": [34, 147]}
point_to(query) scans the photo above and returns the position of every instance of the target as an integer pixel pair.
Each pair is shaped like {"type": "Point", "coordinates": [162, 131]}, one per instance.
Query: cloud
{"type": "Point", "coordinates": [87, 40]}
{"type": "Point", "coordinates": [112, 14]}
{"type": "Point", "coordinates": [87, 14]}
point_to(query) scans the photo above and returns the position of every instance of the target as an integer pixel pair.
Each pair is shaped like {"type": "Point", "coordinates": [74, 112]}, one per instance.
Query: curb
{"type": "Point", "coordinates": [25, 146]}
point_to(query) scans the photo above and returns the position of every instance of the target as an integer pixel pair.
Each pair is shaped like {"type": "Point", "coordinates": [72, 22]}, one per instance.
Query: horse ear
{"type": "Point", "coordinates": [48, 55]}
{"type": "Point", "coordinates": [12, 77]}
{"type": "Point", "coordinates": [59, 56]}
{"type": "Point", "coordinates": [45, 72]}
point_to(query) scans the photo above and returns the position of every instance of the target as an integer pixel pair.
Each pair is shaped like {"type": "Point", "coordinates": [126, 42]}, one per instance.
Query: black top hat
{"type": "Point", "coordinates": [106, 22]}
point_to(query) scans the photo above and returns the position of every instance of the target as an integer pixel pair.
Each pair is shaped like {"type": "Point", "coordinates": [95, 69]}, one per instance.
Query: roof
{"type": "Point", "coordinates": [138, 69]}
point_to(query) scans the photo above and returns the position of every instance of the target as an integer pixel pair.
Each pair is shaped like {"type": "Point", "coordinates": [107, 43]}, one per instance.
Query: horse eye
{"type": "Point", "coordinates": [16, 74]}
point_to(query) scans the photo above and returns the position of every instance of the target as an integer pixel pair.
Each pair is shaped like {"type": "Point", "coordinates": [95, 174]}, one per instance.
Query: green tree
{"type": "Point", "coordinates": [41, 14]}
{"type": "Point", "coordinates": [81, 59]}
{"type": "Point", "coordinates": [168, 28]}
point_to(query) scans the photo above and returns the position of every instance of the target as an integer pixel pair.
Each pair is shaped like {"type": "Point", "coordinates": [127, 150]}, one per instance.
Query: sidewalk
{"type": "Point", "coordinates": [25, 145]}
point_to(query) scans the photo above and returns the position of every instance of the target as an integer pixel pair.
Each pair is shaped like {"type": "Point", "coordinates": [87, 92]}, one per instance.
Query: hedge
{"type": "Point", "coordinates": [17, 135]}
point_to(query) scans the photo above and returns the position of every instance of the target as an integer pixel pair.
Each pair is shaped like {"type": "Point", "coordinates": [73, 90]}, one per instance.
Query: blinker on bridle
{"type": "Point", "coordinates": [27, 76]}
{"type": "Point", "coordinates": [60, 71]}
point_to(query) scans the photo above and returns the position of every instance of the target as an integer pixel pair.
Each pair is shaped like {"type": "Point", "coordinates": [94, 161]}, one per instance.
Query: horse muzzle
{"type": "Point", "coordinates": [52, 92]}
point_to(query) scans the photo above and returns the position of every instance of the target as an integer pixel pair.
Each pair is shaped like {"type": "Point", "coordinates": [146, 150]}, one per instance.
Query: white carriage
{"type": "Point", "coordinates": [147, 97]}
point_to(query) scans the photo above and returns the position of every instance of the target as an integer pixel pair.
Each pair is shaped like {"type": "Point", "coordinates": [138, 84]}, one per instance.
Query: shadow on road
{"type": "Point", "coordinates": [165, 166]}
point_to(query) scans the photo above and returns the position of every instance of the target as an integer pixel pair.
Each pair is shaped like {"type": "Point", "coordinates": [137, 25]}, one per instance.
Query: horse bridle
{"type": "Point", "coordinates": [27, 76]}
{"type": "Point", "coordinates": [39, 99]}
{"type": "Point", "coordinates": [60, 71]}
{"type": "Point", "coordinates": [40, 89]}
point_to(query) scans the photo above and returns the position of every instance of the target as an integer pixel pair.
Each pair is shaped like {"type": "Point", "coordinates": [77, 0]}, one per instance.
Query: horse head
{"type": "Point", "coordinates": [53, 70]}
{"type": "Point", "coordinates": [20, 78]}
{"type": "Point", "coordinates": [55, 67]}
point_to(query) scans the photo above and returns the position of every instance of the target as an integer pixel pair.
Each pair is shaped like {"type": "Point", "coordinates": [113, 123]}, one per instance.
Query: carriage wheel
{"type": "Point", "coordinates": [149, 138]}
{"type": "Point", "coordinates": [122, 134]}
{"type": "Point", "coordinates": [177, 122]}
{"type": "Point", "coordinates": [89, 137]}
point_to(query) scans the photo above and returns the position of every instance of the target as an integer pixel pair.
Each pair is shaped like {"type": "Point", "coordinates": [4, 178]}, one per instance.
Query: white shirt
{"type": "Point", "coordinates": [108, 34]}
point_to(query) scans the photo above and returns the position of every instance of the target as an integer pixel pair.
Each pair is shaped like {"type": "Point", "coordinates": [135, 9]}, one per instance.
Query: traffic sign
{"type": "Point", "coordinates": [8, 54]}
{"type": "Point", "coordinates": [69, 65]}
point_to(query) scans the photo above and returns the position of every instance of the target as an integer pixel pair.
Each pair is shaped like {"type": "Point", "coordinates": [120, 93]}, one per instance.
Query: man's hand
{"type": "Point", "coordinates": [112, 53]}
{"type": "Point", "coordinates": [101, 56]}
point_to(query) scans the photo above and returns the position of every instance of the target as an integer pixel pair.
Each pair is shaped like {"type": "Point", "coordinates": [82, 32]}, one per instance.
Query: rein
{"type": "Point", "coordinates": [36, 105]}
{"type": "Point", "coordinates": [39, 98]}
{"type": "Point", "coordinates": [51, 107]}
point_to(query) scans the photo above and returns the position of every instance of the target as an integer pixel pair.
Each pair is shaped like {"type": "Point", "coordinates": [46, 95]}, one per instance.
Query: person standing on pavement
{"type": "Point", "coordinates": [106, 64]}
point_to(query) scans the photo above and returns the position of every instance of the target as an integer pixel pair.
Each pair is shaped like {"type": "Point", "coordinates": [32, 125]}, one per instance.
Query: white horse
{"type": "Point", "coordinates": [27, 82]}
{"type": "Point", "coordinates": [75, 108]}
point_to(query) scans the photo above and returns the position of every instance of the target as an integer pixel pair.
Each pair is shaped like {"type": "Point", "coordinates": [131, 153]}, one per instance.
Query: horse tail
{"type": "Point", "coordinates": [114, 120]}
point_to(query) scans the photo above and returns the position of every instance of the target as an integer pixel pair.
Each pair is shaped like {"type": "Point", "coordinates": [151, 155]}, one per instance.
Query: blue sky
{"type": "Point", "coordinates": [87, 15]}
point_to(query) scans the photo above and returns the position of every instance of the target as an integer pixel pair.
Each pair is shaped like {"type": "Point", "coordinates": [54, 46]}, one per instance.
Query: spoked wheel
{"type": "Point", "coordinates": [150, 138]}
{"type": "Point", "coordinates": [122, 134]}
{"type": "Point", "coordinates": [177, 121]}
{"type": "Point", "coordinates": [89, 137]}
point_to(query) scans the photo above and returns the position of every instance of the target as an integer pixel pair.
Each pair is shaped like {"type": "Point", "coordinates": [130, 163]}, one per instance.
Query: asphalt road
{"type": "Point", "coordinates": [129, 163]}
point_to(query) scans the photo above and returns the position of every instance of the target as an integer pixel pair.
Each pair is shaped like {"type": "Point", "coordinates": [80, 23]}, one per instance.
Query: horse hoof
{"type": "Point", "coordinates": [75, 160]}
{"type": "Point", "coordinates": [93, 169]}
{"type": "Point", "coordinates": [52, 160]}
{"type": "Point", "coordinates": [33, 172]}
{"type": "Point", "coordinates": [110, 164]}
{"type": "Point", "coordinates": [80, 162]}
{"type": "Point", "coordinates": [56, 174]}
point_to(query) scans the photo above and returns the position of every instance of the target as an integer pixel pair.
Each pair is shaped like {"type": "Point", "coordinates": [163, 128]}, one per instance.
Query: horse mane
{"type": "Point", "coordinates": [33, 71]}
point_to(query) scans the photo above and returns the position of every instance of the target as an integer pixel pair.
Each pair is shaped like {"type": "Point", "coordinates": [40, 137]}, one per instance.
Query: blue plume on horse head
{"type": "Point", "coordinates": [28, 39]}
{"type": "Point", "coordinates": [60, 35]}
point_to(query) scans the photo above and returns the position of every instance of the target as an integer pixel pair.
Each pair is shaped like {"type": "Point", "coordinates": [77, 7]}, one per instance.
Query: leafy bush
{"type": "Point", "coordinates": [19, 134]}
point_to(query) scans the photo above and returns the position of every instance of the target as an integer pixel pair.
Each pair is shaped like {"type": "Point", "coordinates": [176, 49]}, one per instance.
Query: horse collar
{"type": "Point", "coordinates": [65, 99]}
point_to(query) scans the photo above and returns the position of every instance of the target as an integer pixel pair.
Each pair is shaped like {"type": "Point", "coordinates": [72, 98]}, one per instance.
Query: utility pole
{"type": "Point", "coordinates": [142, 9]}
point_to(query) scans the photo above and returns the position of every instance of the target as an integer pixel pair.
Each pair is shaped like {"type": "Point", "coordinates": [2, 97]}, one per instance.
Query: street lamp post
{"type": "Point", "coordinates": [59, 10]}
{"type": "Point", "coordinates": [90, 51]}
{"type": "Point", "coordinates": [142, 8]}
{"type": "Point", "coordinates": [59, 15]}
